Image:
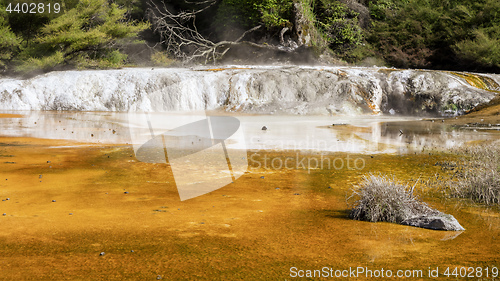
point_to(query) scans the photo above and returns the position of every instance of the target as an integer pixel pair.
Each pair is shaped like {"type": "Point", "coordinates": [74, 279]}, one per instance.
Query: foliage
{"type": "Point", "coordinates": [436, 34]}
{"type": "Point", "coordinates": [44, 63]}
{"type": "Point", "coordinates": [249, 13]}
{"type": "Point", "coordinates": [161, 59]}
{"type": "Point", "coordinates": [339, 24]}
{"type": "Point", "coordinates": [88, 35]}
{"type": "Point", "coordinates": [451, 34]}
{"type": "Point", "coordinates": [275, 13]}
{"type": "Point", "coordinates": [483, 49]}
{"type": "Point", "coordinates": [134, 8]}
{"type": "Point", "coordinates": [9, 42]}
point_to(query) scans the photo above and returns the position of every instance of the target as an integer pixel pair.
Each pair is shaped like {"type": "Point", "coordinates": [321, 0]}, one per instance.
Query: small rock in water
{"type": "Point", "coordinates": [296, 194]}
{"type": "Point", "coordinates": [262, 177]}
{"type": "Point", "coordinates": [40, 176]}
{"type": "Point", "coordinates": [126, 192]}
{"type": "Point", "coordinates": [53, 200]}
{"type": "Point", "coordinates": [7, 199]}
{"type": "Point", "coordinates": [4, 214]}
{"type": "Point", "coordinates": [102, 253]}
{"type": "Point", "coordinates": [440, 221]}
{"type": "Point", "coordinates": [264, 128]}
{"type": "Point", "coordinates": [158, 277]}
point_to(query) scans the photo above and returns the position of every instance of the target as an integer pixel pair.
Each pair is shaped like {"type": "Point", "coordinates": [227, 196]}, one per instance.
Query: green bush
{"type": "Point", "coordinates": [89, 35]}
{"type": "Point", "coordinates": [9, 42]}
{"type": "Point", "coordinates": [483, 49]}
{"type": "Point", "coordinates": [457, 34]}
{"type": "Point", "coordinates": [44, 63]}
{"type": "Point", "coordinates": [339, 24]}
{"type": "Point", "coordinates": [249, 13]}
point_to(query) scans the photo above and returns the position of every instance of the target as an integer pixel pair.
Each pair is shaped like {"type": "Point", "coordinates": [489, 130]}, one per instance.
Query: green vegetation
{"type": "Point", "coordinates": [246, 14]}
{"type": "Point", "coordinates": [9, 42]}
{"type": "Point", "coordinates": [339, 25]}
{"type": "Point", "coordinates": [452, 34]}
{"type": "Point", "coordinates": [435, 34]}
{"type": "Point", "coordinates": [380, 198]}
{"type": "Point", "coordinates": [89, 35]}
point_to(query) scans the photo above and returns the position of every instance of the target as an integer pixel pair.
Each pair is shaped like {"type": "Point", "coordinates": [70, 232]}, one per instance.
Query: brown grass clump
{"type": "Point", "coordinates": [480, 176]}
{"type": "Point", "coordinates": [381, 198]}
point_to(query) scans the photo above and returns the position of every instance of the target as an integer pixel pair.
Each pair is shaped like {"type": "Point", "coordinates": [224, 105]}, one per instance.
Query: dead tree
{"type": "Point", "coordinates": [179, 34]}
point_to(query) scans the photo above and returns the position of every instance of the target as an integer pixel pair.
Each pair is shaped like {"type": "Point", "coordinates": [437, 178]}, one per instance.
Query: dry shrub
{"type": "Point", "coordinates": [480, 178]}
{"type": "Point", "coordinates": [380, 198]}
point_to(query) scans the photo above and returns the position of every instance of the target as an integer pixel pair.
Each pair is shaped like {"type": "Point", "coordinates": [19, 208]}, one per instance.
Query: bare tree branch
{"type": "Point", "coordinates": [179, 34]}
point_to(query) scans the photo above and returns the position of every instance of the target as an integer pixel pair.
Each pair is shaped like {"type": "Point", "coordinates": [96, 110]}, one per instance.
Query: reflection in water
{"type": "Point", "coordinates": [358, 134]}
{"type": "Point", "coordinates": [296, 206]}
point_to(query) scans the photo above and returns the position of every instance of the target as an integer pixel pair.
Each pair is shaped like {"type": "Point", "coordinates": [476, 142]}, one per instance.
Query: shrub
{"type": "Point", "coordinates": [161, 59]}
{"type": "Point", "coordinates": [339, 24]}
{"type": "Point", "coordinates": [90, 34]}
{"type": "Point", "coordinates": [480, 178]}
{"type": "Point", "coordinates": [381, 198]}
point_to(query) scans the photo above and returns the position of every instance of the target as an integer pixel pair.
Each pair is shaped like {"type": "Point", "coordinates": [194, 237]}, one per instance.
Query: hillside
{"type": "Point", "coordinates": [447, 35]}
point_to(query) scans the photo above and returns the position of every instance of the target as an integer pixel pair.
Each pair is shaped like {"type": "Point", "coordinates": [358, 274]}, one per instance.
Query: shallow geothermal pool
{"type": "Point", "coordinates": [78, 205]}
{"type": "Point", "coordinates": [355, 134]}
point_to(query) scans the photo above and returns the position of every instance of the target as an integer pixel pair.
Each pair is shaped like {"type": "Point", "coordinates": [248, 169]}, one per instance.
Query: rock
{"type": "Point", "coordinates": [102, 253]}
{"type": "Point", "coordinates": [439, 221]}
{"type": "Point", "coordinates": [264, 128]}
{"type": "Point", "coordinates": [53, 200]}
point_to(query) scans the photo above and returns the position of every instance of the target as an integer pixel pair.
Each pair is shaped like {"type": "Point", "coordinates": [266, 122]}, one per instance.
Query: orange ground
{"type": "Point", "coordinates": [253, 229]}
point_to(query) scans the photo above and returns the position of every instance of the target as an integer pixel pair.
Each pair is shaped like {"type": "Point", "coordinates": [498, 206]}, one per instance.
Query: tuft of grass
{"type": "Point", "coordinates": [480, 176]}
{"type": "Point", "coordinates": [380, 198]}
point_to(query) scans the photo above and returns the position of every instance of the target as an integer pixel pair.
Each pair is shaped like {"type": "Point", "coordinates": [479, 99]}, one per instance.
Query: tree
{"type": "Point", "coordinates": [89, 35]}
{"type": "Point", "coordinates": [9, 42]}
